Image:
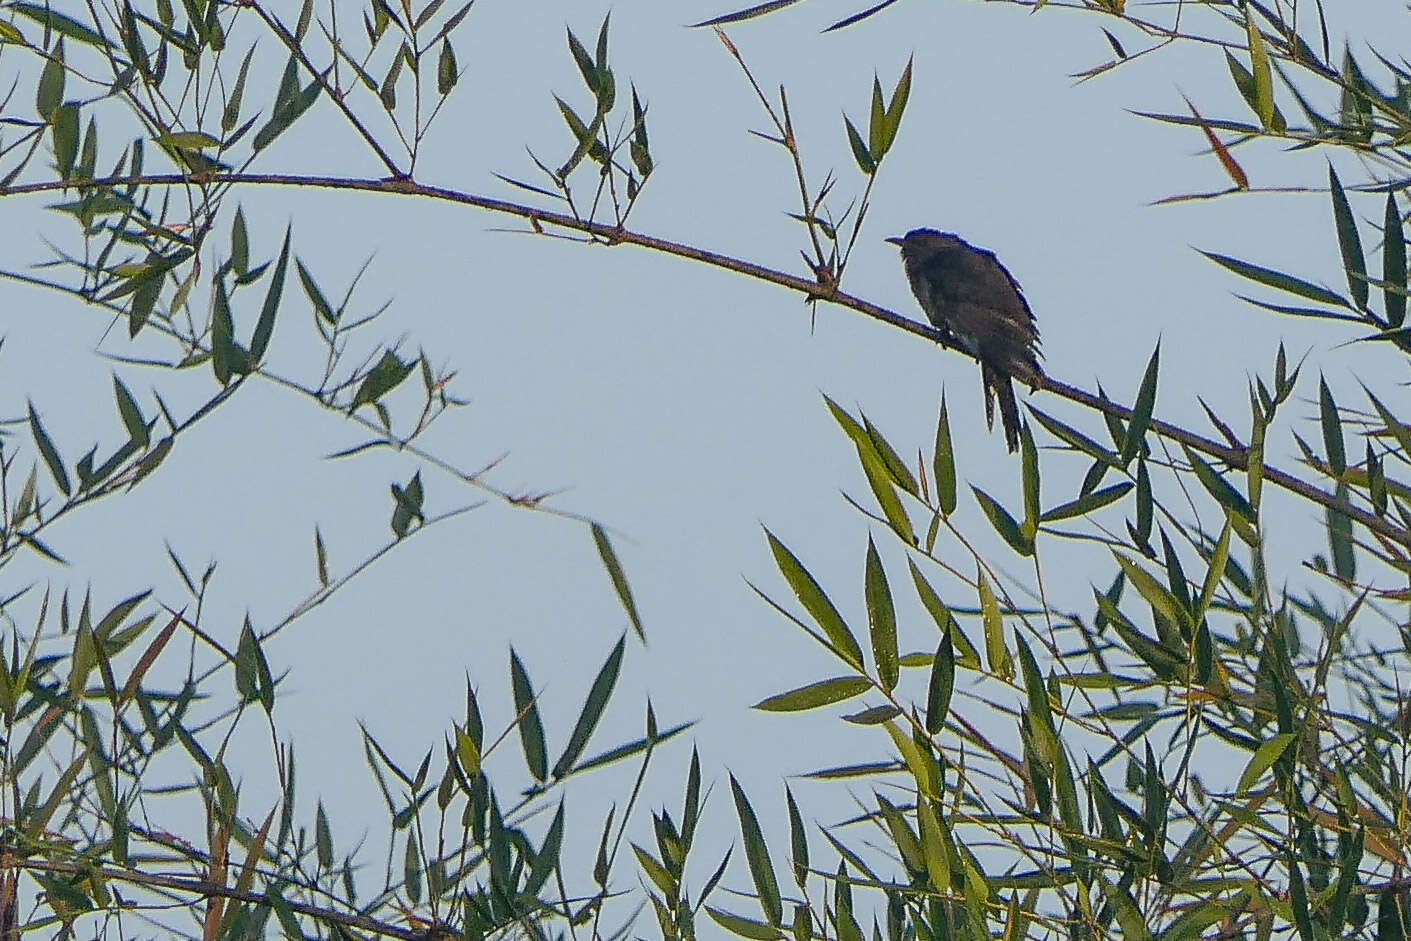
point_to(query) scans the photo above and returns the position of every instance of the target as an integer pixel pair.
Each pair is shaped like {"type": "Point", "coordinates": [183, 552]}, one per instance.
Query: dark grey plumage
{"type": "Point", "coordinates": [970, 297]}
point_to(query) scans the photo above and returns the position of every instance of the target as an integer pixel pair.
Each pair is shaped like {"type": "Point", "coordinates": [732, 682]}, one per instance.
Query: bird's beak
{"type": "Point", "coordinates": [897, 240]}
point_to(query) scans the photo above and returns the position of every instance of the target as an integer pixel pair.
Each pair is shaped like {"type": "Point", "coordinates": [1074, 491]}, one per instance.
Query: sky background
{"type": "Point", "coordinates": [678, 404]}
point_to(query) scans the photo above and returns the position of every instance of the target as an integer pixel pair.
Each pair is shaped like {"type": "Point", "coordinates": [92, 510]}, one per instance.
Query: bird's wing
{"type": "Point", "coordinates": [969, 275]}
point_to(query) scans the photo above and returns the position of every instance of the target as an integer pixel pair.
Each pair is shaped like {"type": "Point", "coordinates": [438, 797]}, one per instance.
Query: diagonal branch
{"type": "Point", "coordinates": [1235, 458]}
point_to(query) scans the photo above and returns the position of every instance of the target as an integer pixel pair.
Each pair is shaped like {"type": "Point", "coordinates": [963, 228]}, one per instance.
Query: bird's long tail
{"type": "Point", "coordinates": [998, 384]}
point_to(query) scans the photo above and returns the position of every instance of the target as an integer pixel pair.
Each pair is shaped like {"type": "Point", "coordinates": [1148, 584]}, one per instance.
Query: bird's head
{"type": "Point", "coordinates": [924, 241]}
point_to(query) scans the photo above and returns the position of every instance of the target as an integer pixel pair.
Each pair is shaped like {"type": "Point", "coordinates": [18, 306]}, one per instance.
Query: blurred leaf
{"type": "Point", "coordinates": [814, 695]}
{"type": "Point", "coordinates": [446, 70]}
{"type": "Point", "coordinates": [896, 106]}
{"type": "Point", "coordinates": [618, 578]}
{"type": "Point", "coordinates": [1263, 759]}
{"type": "Point", "coordinates": [1349, 242]}
{"type": "Point", "coordinates": [49, 94]}
{"type": "Point", "coordinates": [383, 378]}
{"type": "Point", "coordinates": [1219, 488]}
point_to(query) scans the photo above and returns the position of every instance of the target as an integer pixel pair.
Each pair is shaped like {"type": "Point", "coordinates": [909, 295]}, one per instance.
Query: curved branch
{"type": "Point", "coordinates": [1236, 458]}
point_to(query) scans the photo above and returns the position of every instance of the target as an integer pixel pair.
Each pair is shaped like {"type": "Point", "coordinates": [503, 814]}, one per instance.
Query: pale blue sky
{"type": "Point", "coordinates": [678, 404]}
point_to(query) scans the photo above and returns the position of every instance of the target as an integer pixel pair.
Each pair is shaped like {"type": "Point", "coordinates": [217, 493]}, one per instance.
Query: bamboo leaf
{"type": "Point", "coordinates": [881, 619]}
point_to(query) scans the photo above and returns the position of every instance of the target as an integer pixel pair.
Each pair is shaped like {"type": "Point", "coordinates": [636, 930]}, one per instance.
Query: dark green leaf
{"type": "Point", "coordinates": [592, 710]}
{"type": "Point", "coordinates": [815, 602]}
{"type": "Point", "coordinates": [48, 451]}
{"type": "Point", "coordinates": [131, 414]}
{"type": "Point", "coordinates": [943, 464]}
{"type": "Point", "coordinates": [757, 853]}
{"type": "Point", "coordinates": [264, 327]}
{"type": "Point", "coordinates": [1394, 264]}
{"type": "Point", "coordinates": [1277, 280]}
{"type": "Point", "coordinates": [1004, 524]}
{"type": "Point", "coordinates": [941, 686]}
{"type": "Point", "coordinates": [865, 163]}
{"type": "Point", "coordinates": [384, 377]}
{"type": "Point", "coordinates": [1332, 429]}
{"type": "Point", "coordinates": [531, 729]}
{"type": "Point", "coordinates": [1141, 411]}
{"type": "Point", "coordinates": [618, 578]}
{"type": "Point", "coordinates": [1088, 503]}
{"type": "Point", "coordinates": [881, 619]}
{"type": "Point", "coordinates": [1349, 242]}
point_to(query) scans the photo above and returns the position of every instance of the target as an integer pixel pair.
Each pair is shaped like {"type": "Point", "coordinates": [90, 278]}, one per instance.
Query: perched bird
{"type": "Point", "coordinates": [970, 297]}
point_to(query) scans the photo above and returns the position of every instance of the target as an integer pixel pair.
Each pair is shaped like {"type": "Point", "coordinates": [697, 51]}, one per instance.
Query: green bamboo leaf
{"type": "Point", "coordinates": [1141, 411]}
{"type": "Point", "coordinates": [50, 92]}
{"type": "Point", "coordinates": [1220, 489]}
{"type": "Point", "coordinates": [1340, 540]}
{"type": "Point", "coordinates": [1076, 439]}
{"type": "Point", "coordinates": [1215, 574]}
{"type": "Point", "coordinates": [996, 653]}
{"type": "Point", "coordinates": [815, 602]}
{"type": "Point", "coordinates": [592, 711]}
{"type": "Point", "coordinates": [59, 23]}
{"type": "Point", "coordinates": [1040, 710]}
{"type": "Point", "coordinates": [877, 121]}
{"type": "Point", "coordinates": [230, 116]}
{"type": "Point", "coordinates": [736, 924]}
{"type": "Point", "coordinates": [946, 623]}
{"type": "Point", "coordinates": [1263, 75]}
{"type": "Point", "coordinates": [798, 839]}
{"type": "Point", "coordinates": [896, 467]}
{"type": "Point", "coordinates": [941, 686]}
{"type": "Point", "coordinates": [389, 373]}
{"type": "Point", "coordinates": [879, 479]}
{"type": "Point", "coordinates": [1298, 901]}
{"type": "Point", "coordinates": [1394, 264]}
{"type": "Point", "coordinates": [264, 327]}
{"type": "Point", "coordinates": [1156, 594]}
{"type": "Point", "coordinates": [881, 619]}
{"type": "Point", "coordinates": [446, 69]}
{"type": "Point", "coordinates": [531, 728]}
{"type": "Point", "coordinates": [1349, 242]}
{"type": "Point", "coordinates": [757, 854]}
{"type": "Point", "coordinates": [65, 128]}
{"type": "Point", "coordinates": [943, 464]}
{"type": "Point", "coordinates": [1263, 759]}
{"type": "Point", "coordinates": [1087, 504]}
{"type": "Point", "coordinates": [865, 163]}
{"type": "Point", "coordinates": [131, 414]}
{"type": "Point", "coordinates": [1004, 524]}
{"type": "Point", "coordinates": [1030, 470]}
{"type": "Point", "coordinates": [1332, 429]}
{"type": "Point", "coordinates": [619, 579]}
{"type": "Point", "coordinates": [47, 451]}
{"type": "Point", "coordinates": [896, 106]}
{"type": "Point", "coordinates": [822, 693]}
{"type": "Point", "coordinates": [1277, 280]}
